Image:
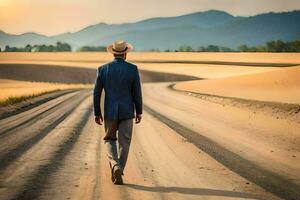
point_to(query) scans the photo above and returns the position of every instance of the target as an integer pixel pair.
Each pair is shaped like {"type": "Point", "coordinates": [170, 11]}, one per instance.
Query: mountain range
{"type": "Point", "coordinates": [195, 29]}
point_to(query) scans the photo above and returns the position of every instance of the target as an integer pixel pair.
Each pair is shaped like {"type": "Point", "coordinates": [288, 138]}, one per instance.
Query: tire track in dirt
{"type": "Point", "coordinates": [278, 109]}
{"type": "Point", "coordinates": [37, 182]}
{"type": "Point", "coordinates": [10, 155]}
{"type": "Point", "coordinates": [77, 177]}
{"type": "Point", "coordinates": [11, 110]}
{"type": "Point", "coordinates": [11, 126]}
{"type": "Point", "coordinates": [274, 183]}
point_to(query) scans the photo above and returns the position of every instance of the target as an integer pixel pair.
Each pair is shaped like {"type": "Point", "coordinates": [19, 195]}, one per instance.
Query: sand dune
{"type": "Point", "coordinates": [205, 70]}
{"type": "Point", "coordinates": [264, 83]}
{"type": "Point", "coordinates": [202, 65]}
{"type": "Point", "coordinates": [197, 70]}
{"type": "Point", "coordinates": [68, 74]}
{"type": "Point", "coordinates": [282, 85]}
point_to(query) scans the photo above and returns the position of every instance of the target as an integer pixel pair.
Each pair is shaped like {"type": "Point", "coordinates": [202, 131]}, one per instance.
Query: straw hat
{"type": "Point", "coordinates": [119, 47]}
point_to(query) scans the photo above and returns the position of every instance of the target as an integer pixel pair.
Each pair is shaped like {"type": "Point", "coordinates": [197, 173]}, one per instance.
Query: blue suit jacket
{"type": "Point", "coordinates": [123, 95]}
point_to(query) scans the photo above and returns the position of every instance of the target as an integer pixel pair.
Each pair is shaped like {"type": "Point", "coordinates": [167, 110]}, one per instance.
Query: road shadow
{"type": "Point", "coordinates": [195, 191]}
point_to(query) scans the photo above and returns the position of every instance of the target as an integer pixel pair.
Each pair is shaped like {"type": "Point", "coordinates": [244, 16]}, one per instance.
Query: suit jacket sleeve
{"type": "Point", "coordinates": [97, 93]}
{"type": "Point", "coordinates": [137, 93]}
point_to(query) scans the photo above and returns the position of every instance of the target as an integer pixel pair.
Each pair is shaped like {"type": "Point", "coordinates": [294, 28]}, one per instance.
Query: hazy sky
{"type": "Point", "coordinates": [56, 16]}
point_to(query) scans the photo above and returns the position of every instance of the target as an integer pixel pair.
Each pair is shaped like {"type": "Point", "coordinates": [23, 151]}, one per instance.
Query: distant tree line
{"type": "Point", "coordinates": [58, 47]}
{"type": "Point", "coordinates": [92, 48]}
{"type": "Point", "coordinates": [272, 46]}
{"type": "Point", "coordinates": [209, 48]}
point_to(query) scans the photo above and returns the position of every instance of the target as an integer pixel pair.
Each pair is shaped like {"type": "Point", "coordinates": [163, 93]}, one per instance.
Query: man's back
{"type": "Point", "coordinates": [121, 83]}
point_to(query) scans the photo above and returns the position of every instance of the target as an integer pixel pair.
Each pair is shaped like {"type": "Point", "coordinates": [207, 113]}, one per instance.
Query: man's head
{"type": "Point", "coordinates": [119, 49]}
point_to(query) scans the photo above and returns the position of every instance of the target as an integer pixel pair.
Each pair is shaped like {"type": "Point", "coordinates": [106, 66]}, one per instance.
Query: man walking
{"type": "Point", "coordinates": [123, 96]}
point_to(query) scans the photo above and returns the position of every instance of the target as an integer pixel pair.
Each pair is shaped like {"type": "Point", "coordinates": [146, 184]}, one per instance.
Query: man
{"type": "Point", "coordinates": [123, 96]}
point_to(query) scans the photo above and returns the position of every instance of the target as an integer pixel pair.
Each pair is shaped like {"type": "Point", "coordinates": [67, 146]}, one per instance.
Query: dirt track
{"type": "Point", "coordinates": [185, 148]}
{"type": "Point", "coordinates": [55, 151]}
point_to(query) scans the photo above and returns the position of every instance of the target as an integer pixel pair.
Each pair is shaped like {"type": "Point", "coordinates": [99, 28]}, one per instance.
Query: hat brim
{"type": "Point", "coordinates": [111, 50]}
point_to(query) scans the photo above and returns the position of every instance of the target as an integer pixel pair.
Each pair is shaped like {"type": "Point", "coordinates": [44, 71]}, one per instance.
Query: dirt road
{"type": "Point", "coordinates": [55, 151]}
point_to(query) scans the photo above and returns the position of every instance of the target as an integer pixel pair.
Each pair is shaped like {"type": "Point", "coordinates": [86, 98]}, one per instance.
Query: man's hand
{"type": "Point", "coordinates": [138, 118]}
{"type": "Point", "coordinates": [99, 120]}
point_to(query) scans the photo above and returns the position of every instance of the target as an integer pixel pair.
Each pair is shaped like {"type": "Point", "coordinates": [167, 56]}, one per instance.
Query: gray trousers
{"type": "Point", "coordinates": [118, 131]}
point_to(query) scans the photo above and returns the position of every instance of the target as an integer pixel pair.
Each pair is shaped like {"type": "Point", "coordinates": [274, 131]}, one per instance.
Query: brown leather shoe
{"type": "Point", "coordinates": [117, 175]}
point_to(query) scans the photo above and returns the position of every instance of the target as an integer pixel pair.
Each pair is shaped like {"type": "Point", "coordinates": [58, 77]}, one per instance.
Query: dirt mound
{"type": "Point", "coordinates": [281, 85]}
{"type": "Point", "coordinates": [66, 74]}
